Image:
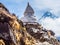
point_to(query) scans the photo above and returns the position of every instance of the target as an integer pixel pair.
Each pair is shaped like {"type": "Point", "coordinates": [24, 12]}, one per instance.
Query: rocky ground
{"type": "Point", "coordinates": [13, 32]}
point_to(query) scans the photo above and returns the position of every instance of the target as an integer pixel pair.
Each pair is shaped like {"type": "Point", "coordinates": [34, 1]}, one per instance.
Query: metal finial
{"type": "Point", "coordinates": [28, 3]}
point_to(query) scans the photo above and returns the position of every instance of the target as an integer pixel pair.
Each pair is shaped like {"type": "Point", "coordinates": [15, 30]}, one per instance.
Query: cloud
{"type": "Point", "coordinates": [49, 23]}
{"type": "Point", "coordinates": [52, 24]}
{"type": "Point", "coordinates": [47, 3]}
{"type": "Point", "coordinates": [52, 4]}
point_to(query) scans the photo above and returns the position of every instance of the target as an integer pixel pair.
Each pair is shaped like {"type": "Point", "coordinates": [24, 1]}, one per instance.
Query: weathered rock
{"type": "Point", "coordinates": [13, 32]}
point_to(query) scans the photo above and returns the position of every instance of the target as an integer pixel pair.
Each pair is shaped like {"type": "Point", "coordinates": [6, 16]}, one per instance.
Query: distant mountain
{"type": "Point", "coordinates": [49, 14]}
{"type": "Point", "coordinates": [58, 38]}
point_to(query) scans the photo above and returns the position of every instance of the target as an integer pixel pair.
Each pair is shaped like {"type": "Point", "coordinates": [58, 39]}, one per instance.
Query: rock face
{"type": "Point", "coordinates": [14, 32]}
{"type": "Point", "coordinates": [8, 26]}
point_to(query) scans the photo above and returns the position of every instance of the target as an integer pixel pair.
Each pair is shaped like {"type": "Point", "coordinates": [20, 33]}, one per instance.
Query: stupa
{"type": "Point", "coordinates": [29, 17]}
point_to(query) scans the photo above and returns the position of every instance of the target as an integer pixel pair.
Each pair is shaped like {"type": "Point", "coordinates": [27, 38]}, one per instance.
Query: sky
{"type": "Point", "coordinates": [40, 7]}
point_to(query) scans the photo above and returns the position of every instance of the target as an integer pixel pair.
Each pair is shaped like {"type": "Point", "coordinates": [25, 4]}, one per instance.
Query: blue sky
{"type": "Point", "coordinates": [17, 6]}
{"type": "Point", "coordinates": [40, 6]}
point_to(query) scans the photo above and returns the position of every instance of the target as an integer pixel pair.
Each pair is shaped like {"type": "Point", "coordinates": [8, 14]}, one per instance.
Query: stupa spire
{"type": "Point", "coordinates": [28, 3]}
{"type": "Point", "coordinates": [29, 10]}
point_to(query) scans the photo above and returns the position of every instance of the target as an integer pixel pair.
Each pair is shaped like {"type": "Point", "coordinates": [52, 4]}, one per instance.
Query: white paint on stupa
{"type": "Point", "coordinates": [29, 15]}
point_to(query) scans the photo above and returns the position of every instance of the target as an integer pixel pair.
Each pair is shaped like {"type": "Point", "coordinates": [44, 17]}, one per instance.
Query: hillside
{"type": "Point", "coordinates": [14, 32]}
